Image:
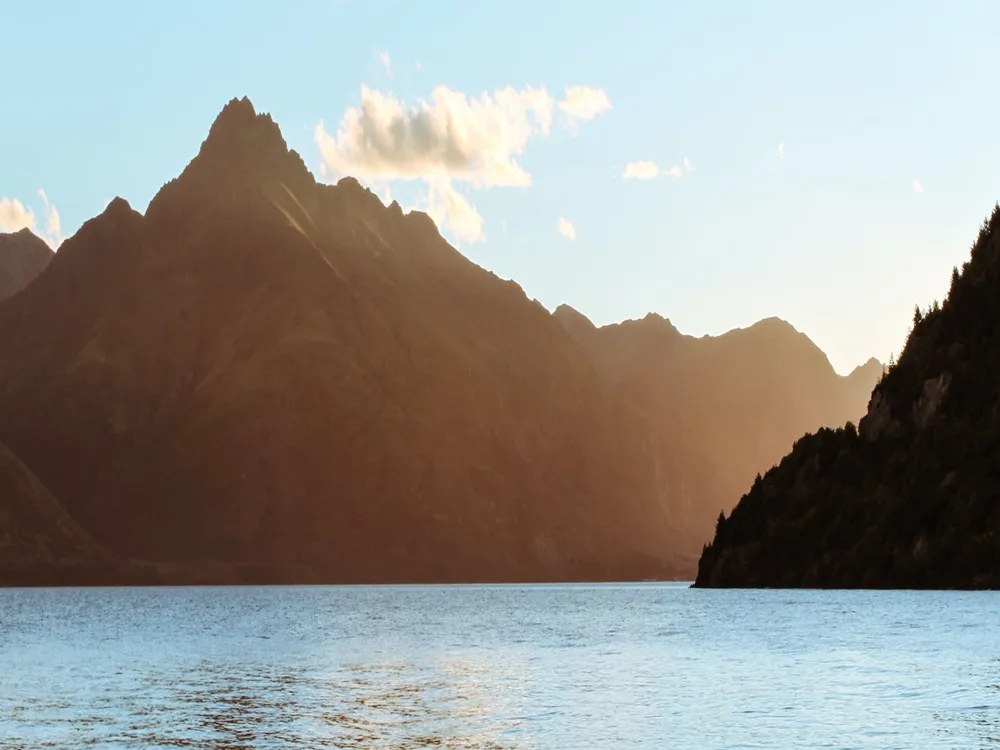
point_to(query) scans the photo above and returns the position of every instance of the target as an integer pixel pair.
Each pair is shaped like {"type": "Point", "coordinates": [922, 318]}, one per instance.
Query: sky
{"type": "Point", "coordinates": [714, 162]}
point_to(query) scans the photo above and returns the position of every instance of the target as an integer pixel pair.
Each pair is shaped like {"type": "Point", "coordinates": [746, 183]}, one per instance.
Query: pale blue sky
{"type": "Point", "coordinates": [106, 98]}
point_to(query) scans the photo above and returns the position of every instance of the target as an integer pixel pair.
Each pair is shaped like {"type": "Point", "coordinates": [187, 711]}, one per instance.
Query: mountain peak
{"type": "Point", "coordinates": [863, 370]}
{"type": "Point", "coordinates": [239, 131]}
{"type": "Point", "coordinates": [244, 150]}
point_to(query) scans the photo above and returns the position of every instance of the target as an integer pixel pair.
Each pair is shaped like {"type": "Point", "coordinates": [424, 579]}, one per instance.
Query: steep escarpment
{"type": "Point", "coordinates": [909, 498]}
{"type": "Point", "coordinates": [269, 370]}
{"type": "Point", "coordinates": [732, 404]}
{"type": "Point", "coordinates": [22, 257]}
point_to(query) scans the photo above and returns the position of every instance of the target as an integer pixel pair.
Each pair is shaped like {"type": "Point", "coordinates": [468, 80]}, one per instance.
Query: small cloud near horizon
{"type": "Point", "coordinates": [647, 170]}
{"type": "Point", "coordinates": [641, 170]}
{"type": "Point", "coordinates": [917, 187]}
{"type": "Point", "coordinates": [565, 227]}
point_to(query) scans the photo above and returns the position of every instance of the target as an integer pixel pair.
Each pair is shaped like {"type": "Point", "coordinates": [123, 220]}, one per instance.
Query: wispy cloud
{"type": "Point", "coordinates": [687, 165]}
{"type": "Point", "coordinates": [917, 187]}
{"type": "Point", "coordinates": [566, 229]}
{"type": "Point", "coordinates": [781, 151]}
{"type": "Point", "coordinates": [449, 208]}
{"type": "Point", "coordinates": [53, 226]}
{"type": "Point", "coordinates": [383, 57]}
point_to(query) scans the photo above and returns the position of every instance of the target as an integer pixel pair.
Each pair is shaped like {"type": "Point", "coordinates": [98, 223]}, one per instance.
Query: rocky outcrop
{"type": "Point", "coordinates": [912, 497]}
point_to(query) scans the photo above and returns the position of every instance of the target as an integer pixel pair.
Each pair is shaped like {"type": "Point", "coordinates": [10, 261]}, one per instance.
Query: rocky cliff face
{"type": "Point", "coordinates": [23, 256]}
{"type": "Point", "coordinates": [271, 370]}
{"type": "Point", "coordinates": [912, 497]}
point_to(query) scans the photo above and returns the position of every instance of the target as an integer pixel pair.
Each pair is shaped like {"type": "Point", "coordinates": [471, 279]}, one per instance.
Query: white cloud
{"type": "Point", "coordinates": [503, 227]}
{"type": "Point", "coordinates": [584, 103]}
{"type": "Point", "coordinates": [566, 229]}
{"type": "Point", "coordinates": [53, 226]}
{"type": "Point", "coordinates": [475, 140]}
{"type": "Point", "coordinates": [781, 151]}
{"type": "Point", "coordinates": [641, 170]}
{"type": "Point", "coordinates": [451, 209]}
{"type": "Point", "coordinates": [917, 187]}
{"type": "Point", "coordinates": [450, 139]}
{"type": "Point", "coordinates": [15, 216]}
{"type": "Point", "coordinates": [647, 170]}
{"type": "Point", "coordinates": [383, 57]}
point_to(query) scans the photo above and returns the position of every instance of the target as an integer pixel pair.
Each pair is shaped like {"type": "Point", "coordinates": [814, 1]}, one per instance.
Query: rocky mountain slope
{"type": "Point", "coordinates": [911, 498]}
{"type": "Point", "coordinates": [22, 257]}
{"type": "Point", "coordinates": [37, 536]}
{"type": "Point", "coordinates": [267, 369]}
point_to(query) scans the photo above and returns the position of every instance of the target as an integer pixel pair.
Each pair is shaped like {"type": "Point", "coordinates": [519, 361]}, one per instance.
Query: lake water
{"type": "Point", "coordinates": [616, 666]}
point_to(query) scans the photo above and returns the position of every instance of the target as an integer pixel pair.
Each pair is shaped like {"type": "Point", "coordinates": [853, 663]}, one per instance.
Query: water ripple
{"type": "Point", "coordinates": [479, 667]}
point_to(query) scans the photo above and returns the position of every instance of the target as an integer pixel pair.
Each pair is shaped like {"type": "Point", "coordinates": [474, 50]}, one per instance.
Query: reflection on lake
{"type": "Point", "coordinates": [498, 667]}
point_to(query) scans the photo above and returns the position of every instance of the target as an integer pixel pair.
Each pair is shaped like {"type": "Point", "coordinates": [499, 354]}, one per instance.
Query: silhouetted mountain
{"type": "Point", "coordinates": [734, 403]}
{"type": "Point", "coordinates": [267, 369]}
{"type": "Point", "coordinates": [36, 533]}
{"type": "Point", "coordinates": [911, 498]}
{"type": "Point", "coordinates": [22, 257]}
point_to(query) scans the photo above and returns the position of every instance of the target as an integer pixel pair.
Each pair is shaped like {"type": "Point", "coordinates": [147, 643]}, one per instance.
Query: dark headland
{"type": "Point", "coordinates": [911, 497]}
{"type": "Point", "coordinates": [268, 379]}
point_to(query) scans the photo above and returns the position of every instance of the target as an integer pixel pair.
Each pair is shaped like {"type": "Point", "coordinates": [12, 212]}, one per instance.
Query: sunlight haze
{"type": "Point", "coordinates": [708, 163]}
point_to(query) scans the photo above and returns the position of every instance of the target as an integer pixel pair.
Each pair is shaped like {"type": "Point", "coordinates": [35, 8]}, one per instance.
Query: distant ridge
{"type": "Point", "coordinates": [737, 401]}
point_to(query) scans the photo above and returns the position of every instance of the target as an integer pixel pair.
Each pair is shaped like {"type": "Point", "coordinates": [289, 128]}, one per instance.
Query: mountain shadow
{"type": "Point", "coordinates": [911, 497]}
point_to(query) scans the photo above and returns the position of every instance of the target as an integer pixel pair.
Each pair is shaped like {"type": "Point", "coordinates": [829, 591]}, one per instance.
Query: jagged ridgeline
{"type": "Point", "coordinates": [909, 499]}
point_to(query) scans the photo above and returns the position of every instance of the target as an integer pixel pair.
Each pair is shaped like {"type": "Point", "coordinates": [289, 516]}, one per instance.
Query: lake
{"type": "Point", "coordinates": [578, 666]}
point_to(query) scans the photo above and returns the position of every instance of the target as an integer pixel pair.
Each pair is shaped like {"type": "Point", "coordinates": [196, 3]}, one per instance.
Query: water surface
{"type": "Point", "coordinates": [630, 666]}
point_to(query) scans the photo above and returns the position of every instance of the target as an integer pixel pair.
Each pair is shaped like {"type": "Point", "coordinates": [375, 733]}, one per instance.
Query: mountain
{"type": "Point", "coordinates": [22, 257]}
{"type": "Point", "coordinates": [269, 371]}
{"type": "Point", "coordinates": [734, 403]}
{"type": "Point", "coordinates": [911, 497]}
{"type": "Point", "coordinates": [37, 536]}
